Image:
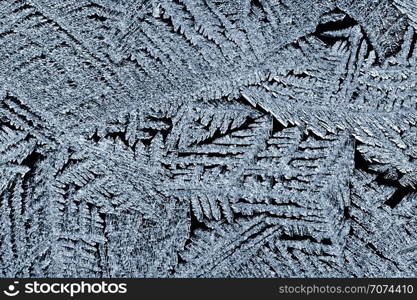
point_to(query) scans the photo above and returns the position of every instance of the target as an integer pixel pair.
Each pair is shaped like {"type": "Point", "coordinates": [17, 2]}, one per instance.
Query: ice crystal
{"type": "Point", "coordinates": [208, 138]}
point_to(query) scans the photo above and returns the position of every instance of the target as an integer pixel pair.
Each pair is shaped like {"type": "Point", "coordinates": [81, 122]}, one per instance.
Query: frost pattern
{"type": "Point", "coordinates": [209, 138]}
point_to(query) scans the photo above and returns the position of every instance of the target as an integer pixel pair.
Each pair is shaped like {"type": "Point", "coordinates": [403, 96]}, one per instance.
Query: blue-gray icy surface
{"type": "Point", "coordinates": [208, 138]}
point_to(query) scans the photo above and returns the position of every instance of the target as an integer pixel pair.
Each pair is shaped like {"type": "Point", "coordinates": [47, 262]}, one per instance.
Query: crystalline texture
{"type": "Point", "coordinates": [210, 138]}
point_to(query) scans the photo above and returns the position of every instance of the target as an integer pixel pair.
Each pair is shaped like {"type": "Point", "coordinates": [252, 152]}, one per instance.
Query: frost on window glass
{"type": "Point", "coordinates": [209, 138]}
